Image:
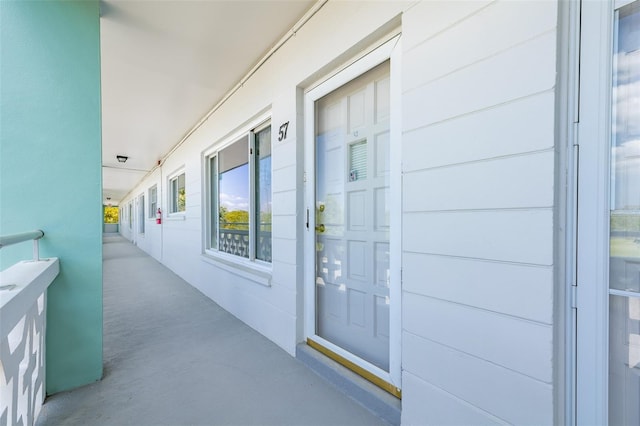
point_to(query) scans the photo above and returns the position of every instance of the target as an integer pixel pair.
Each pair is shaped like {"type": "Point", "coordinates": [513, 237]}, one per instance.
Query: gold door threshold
{"type": "Point", "coordinates": [382, 384]}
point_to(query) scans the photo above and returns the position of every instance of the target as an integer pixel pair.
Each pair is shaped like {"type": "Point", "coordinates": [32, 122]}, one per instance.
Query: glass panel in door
{"type": "Point", "coordinates": [624, 261]}
{"type": "Point", "coordinates": [352, 217]}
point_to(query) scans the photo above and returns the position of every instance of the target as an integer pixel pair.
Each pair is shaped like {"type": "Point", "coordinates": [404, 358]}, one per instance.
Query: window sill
{"type": "Point", "coordinates": [241, 267]}
{"type": "Point", "coordinates": [176, 216]}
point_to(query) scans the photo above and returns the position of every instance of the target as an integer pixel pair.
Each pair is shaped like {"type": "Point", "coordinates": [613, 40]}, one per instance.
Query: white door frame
{"type": "Point", "coordinates": [592, 254]}
{"type": "Point", "coordinates": [593, 203]}
{"type": "Point", "coordinates": [389, 50]}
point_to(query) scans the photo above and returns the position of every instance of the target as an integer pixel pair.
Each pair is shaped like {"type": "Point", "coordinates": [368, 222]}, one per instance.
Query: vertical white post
{"type": "Point", "coordinates": [36, 251]}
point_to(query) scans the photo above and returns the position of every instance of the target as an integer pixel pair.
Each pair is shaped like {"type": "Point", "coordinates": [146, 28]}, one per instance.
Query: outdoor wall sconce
{"type": "Point", "coordinates": [122, 158]}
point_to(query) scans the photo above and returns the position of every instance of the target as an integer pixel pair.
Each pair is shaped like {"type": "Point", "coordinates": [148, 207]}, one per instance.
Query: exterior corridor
{"type": "Point", "coordinates": [172, 356]}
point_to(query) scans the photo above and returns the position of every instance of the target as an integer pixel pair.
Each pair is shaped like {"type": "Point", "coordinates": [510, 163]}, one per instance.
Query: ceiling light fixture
{"type": "Point", "coordinates": [122, 158]}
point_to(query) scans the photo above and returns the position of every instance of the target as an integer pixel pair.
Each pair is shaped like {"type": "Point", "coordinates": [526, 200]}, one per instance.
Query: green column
{"type": "Point", "coordinates": [50, 169]}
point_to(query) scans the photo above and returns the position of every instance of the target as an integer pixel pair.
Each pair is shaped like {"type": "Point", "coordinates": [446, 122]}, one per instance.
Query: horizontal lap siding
{"type": "Point", "coordinates": [284, 203]}
{"type": "Point", "coordinates": [478, 191]}
{"type": "Point", "coordinates": [523, 236]}
{"type": "Point", "coordinates": [505, 394]}
{"type": "Point", "coordinates": [491, 285]}
{"type": "Point", "coordinates": [313, 53]}
{"type": "Point", "coordinates": [486, 134]}
{"type": "Point", "coordinates": [517, 344]}
{"type": "Point", "coordinates": [443, 409]}
{"type": "Point", "coordinates": [489, 39]}
{"type": "Point", "coordinates": [510, 75]}
{"type": "Point", "coordinates": [518, 182]}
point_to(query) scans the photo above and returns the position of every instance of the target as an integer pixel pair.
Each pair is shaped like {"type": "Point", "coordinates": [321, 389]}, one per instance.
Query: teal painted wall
{"type": "Point", "coordinates": [50, 169]}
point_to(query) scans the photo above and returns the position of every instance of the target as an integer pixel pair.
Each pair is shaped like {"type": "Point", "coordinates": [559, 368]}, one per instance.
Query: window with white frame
{"type": "Point", "coordinates": [153, 201]}
{"type": "Point", "coordinates": [239, 192]}
{"type": "Point", "coordinates": [141, 214]}
{"type": "Point", "coordinates": [177, 194]}
{"type": "Point", "coordinates": [130, 215]}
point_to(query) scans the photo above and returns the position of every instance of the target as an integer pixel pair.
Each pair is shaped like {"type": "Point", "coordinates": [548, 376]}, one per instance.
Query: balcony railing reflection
{"type": "Point", "coordinates": [236, 241]}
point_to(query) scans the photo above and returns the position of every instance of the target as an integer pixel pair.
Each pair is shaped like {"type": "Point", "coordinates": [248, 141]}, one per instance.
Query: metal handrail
{"type": "Point", "coordinates": [8, 240]}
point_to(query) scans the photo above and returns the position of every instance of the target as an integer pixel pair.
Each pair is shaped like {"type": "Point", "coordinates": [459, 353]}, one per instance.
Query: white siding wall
{"type": "Point", "coordinates": [151, 240]}
{"type": "Point", "coordinates": [478, 191]}
{"type": "Point", "coordinates": [478, 185]}
{"type": "Point", "coordinates": [276, 310]}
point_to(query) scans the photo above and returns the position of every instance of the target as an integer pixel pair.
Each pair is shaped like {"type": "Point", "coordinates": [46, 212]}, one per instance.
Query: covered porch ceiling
{"type": "Point", "coordinates": [165, 64]}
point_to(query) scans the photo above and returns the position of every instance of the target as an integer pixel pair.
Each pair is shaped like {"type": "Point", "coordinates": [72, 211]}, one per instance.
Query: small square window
{"type": "Point", "coordinates": [153, 201]}
{"type": "Point", "coordinates": [177, 194]}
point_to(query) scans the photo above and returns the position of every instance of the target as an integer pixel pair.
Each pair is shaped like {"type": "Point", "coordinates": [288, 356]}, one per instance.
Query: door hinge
{"type": "Point", "coordinates": [304, 177]}
{"type": "Point", "coordinates": [574, 297]}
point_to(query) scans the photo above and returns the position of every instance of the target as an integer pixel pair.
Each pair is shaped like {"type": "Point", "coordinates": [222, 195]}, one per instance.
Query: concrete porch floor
{"type": "Point", "coordinates": [174, 357]}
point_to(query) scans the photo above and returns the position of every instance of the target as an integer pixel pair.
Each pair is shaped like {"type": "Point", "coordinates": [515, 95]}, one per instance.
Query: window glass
{"type": "Point", "coordinates": [216, 213]}
{"type": "Point", "coordinates": [182, 196]}
{"type": "Point", "coordinates": [263, 194]}
{"type": "Point", "coordinates": [233, 198]}
{"type": "Point", "coordinates": [141, 214]}
{"type": "Point", "coordinates": [153, 201]}
{"type": "Point", "coordinates": [178, 194]}
{"type": "Point", "coordinates": [624, 245]}
{"type": "Point", "coordinates": [174, 191]}
{"type": "Point", "coordinates": [240, 197]}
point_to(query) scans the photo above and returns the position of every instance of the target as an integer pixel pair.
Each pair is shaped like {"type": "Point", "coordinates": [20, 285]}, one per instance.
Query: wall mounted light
{"type": "Point", "coordinates": [122, 158]}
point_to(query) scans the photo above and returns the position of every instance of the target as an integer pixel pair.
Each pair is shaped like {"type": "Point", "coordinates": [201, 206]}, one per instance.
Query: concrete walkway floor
{"type": "Point", "coordinates": [174, 357]}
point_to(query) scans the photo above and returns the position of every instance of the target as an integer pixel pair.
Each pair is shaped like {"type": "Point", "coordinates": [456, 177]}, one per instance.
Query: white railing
{"type": "Point", "coordinates": [8, 240]}
{"type": "Point", "coordinates": [23, 316]}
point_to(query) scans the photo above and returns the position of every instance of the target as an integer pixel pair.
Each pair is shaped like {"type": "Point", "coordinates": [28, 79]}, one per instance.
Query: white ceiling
{"type": "Point", "coordinates": [165, 64]}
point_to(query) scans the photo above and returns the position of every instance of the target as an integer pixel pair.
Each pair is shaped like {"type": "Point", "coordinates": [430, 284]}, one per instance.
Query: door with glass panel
{"type": "Point", "coordinates": [608, 315]}
{"type": "Point", "coordinates": [624, 242]}
{"type": "Point", "coordinates": [352, 217]}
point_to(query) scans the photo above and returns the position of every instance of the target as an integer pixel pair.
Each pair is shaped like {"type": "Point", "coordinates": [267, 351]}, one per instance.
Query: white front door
{"type": "Point", "coordinates": [352, 217]}
{"type": "Point", "coordinates": [608, 269]}
{"type": "Point", "coordinates": [351, 284]}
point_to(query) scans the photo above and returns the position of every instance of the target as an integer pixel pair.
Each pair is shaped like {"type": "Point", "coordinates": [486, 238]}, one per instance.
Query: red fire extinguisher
{"type": "Point", "coordinates": [159, 216]}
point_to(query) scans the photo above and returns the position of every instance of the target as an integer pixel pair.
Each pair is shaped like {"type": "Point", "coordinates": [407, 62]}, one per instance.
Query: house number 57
{"type": "Point", "coordinates": [282, 134]}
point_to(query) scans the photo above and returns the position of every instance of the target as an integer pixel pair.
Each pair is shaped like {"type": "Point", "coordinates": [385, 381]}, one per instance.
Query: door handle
{"type": "Point", "coordinates": [320, 228]}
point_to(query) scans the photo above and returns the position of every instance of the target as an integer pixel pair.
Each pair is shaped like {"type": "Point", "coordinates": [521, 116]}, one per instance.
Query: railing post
{"type": "Point", "coordinates": [36, 251]}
